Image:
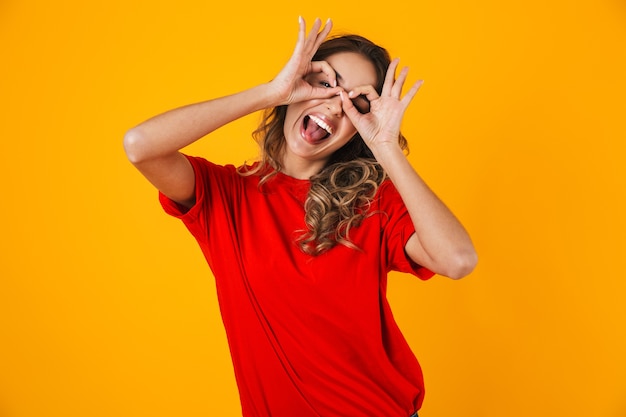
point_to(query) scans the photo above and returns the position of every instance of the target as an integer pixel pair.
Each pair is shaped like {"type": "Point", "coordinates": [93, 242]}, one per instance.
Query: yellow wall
{"type": "Point", "coordinates": [106, 305]}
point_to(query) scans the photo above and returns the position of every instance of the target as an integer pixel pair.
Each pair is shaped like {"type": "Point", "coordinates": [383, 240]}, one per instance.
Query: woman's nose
{"type": "Point", "coordinates": [334, 105]}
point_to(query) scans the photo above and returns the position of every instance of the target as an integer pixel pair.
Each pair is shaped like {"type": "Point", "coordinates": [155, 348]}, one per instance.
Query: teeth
{"type": "Point", "coordinates": [322, 124]}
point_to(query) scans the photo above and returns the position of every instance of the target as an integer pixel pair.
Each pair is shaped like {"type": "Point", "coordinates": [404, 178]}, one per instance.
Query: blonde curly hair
{"type": "Point", "coordinates": [341, 193]}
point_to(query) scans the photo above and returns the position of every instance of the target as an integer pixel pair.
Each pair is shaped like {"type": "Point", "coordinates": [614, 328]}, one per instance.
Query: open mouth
{"type": "Point", "coordinates": [315, 129]}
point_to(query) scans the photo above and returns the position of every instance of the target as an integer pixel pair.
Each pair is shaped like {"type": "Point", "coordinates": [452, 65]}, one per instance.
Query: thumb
{"type": "Point", "coordinates": [348, 108]}
{"type": "Point", "coordinates": [320, 92]}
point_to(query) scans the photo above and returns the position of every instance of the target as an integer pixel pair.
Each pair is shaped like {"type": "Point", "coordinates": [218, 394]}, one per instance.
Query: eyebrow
{"type": "Point", "coordinates": [360, 96]}
{"type": "Point", "coordinates": [338, 77]}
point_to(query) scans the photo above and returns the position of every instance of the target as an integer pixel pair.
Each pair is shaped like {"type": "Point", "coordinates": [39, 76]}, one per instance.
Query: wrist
{"type": "Point", "coordinates": [267, 95]}
{"type": "Point", "coordinates": [276, 95]}
{"type": "Point", "coordinates": [387, 153]}
{"type": "Point", "coordinates": [386, 148]}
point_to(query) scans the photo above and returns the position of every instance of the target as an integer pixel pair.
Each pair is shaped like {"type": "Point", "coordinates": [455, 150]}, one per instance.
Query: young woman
{"type": "Point", "coordinates": [300, 243]}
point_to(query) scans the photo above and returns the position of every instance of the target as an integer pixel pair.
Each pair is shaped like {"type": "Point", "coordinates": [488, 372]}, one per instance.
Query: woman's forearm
{"type": "Point", "coordinates": [171, 131]}
{"type": "Point", "coordinates": [443, 243]}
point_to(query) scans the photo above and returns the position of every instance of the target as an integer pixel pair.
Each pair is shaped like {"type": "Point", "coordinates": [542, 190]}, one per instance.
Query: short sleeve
{"type": "Point", "coordinates": [212, 183]}
{"type": "Point", "coordinates": [397, 229]}
{"type": "Point", "coordinates": [174, 209]}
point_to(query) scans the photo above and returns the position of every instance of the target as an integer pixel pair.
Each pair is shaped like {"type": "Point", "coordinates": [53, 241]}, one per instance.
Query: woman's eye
{"type": "Point", "coordinates": [325, 84]}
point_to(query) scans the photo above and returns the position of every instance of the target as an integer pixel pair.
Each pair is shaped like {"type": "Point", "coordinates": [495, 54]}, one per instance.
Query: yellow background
{"type": "Point", "coordinates": [107, 307]}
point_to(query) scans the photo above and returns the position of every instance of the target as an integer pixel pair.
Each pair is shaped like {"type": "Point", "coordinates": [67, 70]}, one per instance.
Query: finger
{"type": "Point", "coordinates": [389, 78]}
{"type": "Point", "coordinates": [365, 90]}
{"type": "Point", "coordinates": [321, 37]}
{"type": "Point", "coordinates": [396, 90]}
{"type": "Point", "coordinates": [315, 37]}
{"type": "Point", "coordinates": [322, 92]}
{"type": "Point", "coordinates": [301, 27]}
{"type": "Point", "coordinates": [311, 39]}
{"type": "Point", "coordinates": [301, 36]}
{"type": "Point", "coordinates": [317, 23]}
{"type": "Point", "coordinates": [412, 91]}
{"type": "Point", "coordinates": [325, 68]}
{"type": "Point", "coordinates": [348, 108]}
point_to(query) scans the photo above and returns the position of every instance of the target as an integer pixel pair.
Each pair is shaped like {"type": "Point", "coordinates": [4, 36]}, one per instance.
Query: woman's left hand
{"type": "Point", "coordinates": [381, 125]}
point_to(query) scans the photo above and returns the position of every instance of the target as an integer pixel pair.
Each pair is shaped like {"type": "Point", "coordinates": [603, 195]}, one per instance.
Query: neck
{"type": "Point", "coordinates": [301, 169]}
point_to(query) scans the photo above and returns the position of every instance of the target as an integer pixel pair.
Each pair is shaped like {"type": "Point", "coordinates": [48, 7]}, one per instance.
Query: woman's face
{"type": "Point", "coordinates": [315, 129]}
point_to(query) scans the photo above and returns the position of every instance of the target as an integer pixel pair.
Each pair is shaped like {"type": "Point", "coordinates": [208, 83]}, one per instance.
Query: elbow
{"type": "Point", "coordinates": [461, 265]}
{"type": "Point", "coordinates": [133, 141]}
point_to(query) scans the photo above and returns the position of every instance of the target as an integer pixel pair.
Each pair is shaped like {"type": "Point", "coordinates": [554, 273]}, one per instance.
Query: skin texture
{"type": "Point", "coordinates": [440, 242]}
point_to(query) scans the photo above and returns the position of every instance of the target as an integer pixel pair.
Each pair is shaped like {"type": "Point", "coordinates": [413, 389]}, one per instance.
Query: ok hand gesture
{"type": "Point", "coordinates": [381, 126]}
{"type": "Point", "coordinates": [290, 85]}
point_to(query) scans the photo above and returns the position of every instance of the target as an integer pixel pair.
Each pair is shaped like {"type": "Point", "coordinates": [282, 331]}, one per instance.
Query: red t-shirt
{"type": "Point", "coordinates": [309, 336]}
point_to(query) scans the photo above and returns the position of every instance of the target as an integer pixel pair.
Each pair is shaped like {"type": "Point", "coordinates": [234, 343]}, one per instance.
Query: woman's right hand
{"type": "Point", "coordinates": [290, 85]}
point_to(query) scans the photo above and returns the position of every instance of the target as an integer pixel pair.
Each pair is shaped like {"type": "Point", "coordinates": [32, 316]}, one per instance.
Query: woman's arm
{"type": "Point", "coordinates": [440, 242]}
{"type": "Point", "coordinates": [154, 145]}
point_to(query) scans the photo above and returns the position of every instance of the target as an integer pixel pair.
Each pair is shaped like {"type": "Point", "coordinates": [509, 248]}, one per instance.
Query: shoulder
{"type": "Point", "coordinates": [203, 165]}
{"type": "Point", "coordinates": [208, 172]}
